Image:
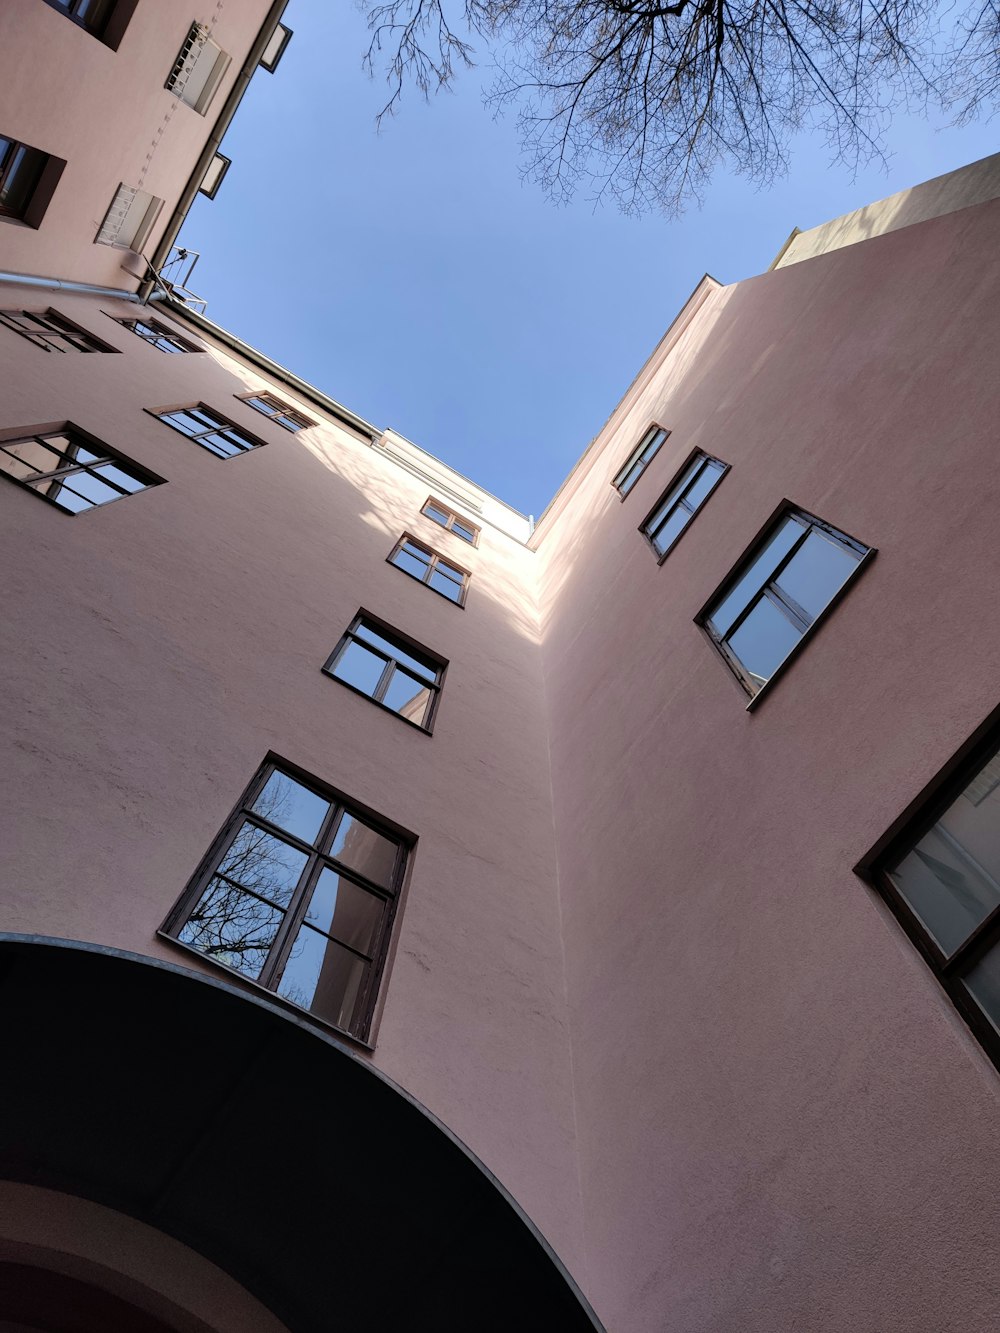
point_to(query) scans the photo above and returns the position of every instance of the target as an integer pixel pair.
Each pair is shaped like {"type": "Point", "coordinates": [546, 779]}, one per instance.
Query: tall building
{"type": "Point", "coordinates": [414, 917]}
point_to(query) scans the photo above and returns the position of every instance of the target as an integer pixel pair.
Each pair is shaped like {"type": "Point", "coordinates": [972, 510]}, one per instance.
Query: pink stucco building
{"type": "Point", "coordinates": [416, 918]}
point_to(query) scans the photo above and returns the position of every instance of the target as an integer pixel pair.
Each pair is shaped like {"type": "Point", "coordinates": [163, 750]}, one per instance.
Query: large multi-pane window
{"type": "Point", "coordinates": [778, 593]}
{"type": "Point", "coordinates": [298, 895]}
{"type": "Point", "coordinates": [159, 335]}
{"type": "Point", "coordinates": [453, 522]}
{"type": "Point", "coordinates": [270, 405]}
{"type": "Point", "coordinates": [682, 500]}
{"type": "Point", "coordinates": [52, 331]}
{"type": "Point", "coordinates": [941, 876]}
{"type": "Point", "coordinates": [426, 565]}
{"type": "Point", "coordinates": [71, 470]}
{"type": "Point", "coordinates": [388, 669]}
{"type": "Point", "coordinates": [210, 429]}
{"type": "Point", "coordinates": [638, 460]}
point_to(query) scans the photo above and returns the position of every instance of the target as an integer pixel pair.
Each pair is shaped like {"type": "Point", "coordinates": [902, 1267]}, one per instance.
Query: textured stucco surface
{"type": "Point", "coordinates": [782, 1123]}
{"type": "Point", "coordinates": [108, 116]}
{"type": "Point", "coordinates": [158, 648]}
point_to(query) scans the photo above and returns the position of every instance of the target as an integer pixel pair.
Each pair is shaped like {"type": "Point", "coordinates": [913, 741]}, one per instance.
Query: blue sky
{"type": "Point", "coordinates": [413, 277]}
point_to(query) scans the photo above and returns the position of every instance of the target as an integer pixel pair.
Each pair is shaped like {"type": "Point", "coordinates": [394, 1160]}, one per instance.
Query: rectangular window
{"type": "Point", "coordinates": [420, 562]}
{"type": "Point", "coordinates": [275, 48]}
{"type": "Point", "coordinates": [129, 219]}
{"type": "Point", "coordinates": [104, 19]}
{"type": "Point", "coordinates": [941, 877]}
{"type": "Point", "coordinates": [278, 411]}
{"type": "Point", "coordinates": [158, 335]}
{"type": "Point", "coordinates": [638, 460]}
{"type": "Point", "coordinates": [52, 331]}
{"type": "Point", "coordinates": [71, 469]}
{"type": "Point", "coordinates": [28, 178]}
{"type": "Point", "coordinates": [298, 895]}
{"type": "Point", "coordinates": [198, 70]}
{"type": "Point", "coordinates": [778, 593]}
{"type": "Point", "coordinates": [682, 500]}
{"type": "Point", "coordinates": [210, 429]}
{"type": "Point", "coordinates": [451, 521]}
{"type": "Point", "coordinates": [390, 670]}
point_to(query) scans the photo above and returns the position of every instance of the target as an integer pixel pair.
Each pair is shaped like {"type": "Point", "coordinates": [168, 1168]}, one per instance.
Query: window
{"type": "Point", "coordinates": [71, 469]}
{"type": "Point", "coordinates": [941, 877]}
{"type": "Point", "coordinates": [279, 412]}
{"type": "Point", "coordinates": [210, 430]}
{"type": "Point", "coordinates": [158, 335]}
{"type": "Point", "coordinates": [425, 565]}
{"type": "Point", "coordinates": [215, 174]}
{"type": "Point", "coordinates": [639, 459]}
{"type": "Point", "coordinates": [686, 495]}
{"type": "Point", "coordinates": [129, 219]}
{"type": "Point", "coordinates": [52, 331]}
{"type": "Point", "coordinates": [28, 178]}
{"type": "Point", "coordinates": [275, 48]}
{"type": "Point", "coordinates": [198, 69]}
{"type": "Point", "coordinates": [298, 895]}
{"type": "Point", "coordinates": [779, 592]}
{"type": "Point", "coordinates": [448, 519]}
{"type": "Point", "coordinates": [388, 669]}
{"type": "Point", "coordinates": [104, 19]}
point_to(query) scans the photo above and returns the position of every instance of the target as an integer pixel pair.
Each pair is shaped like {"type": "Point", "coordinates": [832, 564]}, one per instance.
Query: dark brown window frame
{"type": "Point", "coordinates": [903, 834]}
{"type": "Point", "coordinates": [284, 410]}
{"type": "Point", "coordinates": [70, 330]}
{"type": "Point", "coordinates": [367, 1005]}
{"type": "Point", "coordinates": [41, 196]}
{"type": "Point", "coordinates": [13, 435]}
{"type": "Point", "coordinates": [635, 455]}
{"type": "Point", "coordinates": [433, 661]}
{"type": "Point", "coordinates": [161, 414]}
{"type": "Point", "coordinates": [113, 28]}
{"type": "Point", "coordinates": [161, 330]}
{"type": "Point", "coordinates": [452, 519]}
{"type": "Point", "coordinates": [674, 481]}
{"type": "Point", "coordinates": [436, 558]}
{"type": "Point", "coordinates": [742, 565]}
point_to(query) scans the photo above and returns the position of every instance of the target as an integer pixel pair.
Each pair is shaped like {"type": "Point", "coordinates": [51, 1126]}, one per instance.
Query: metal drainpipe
{"type": "Point", "coordinates": [64, 285]}
{"type": "Point", "coordinates": [190, 191]}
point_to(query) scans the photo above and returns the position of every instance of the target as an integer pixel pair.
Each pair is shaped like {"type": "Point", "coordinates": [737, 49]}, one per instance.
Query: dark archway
{"type": "Point", "coordinates": [268, 1147]}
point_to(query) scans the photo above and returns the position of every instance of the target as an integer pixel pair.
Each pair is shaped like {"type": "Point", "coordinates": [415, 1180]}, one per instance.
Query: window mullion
{"type": "Point", "coordinates": [381, 689]}
{"type": "Point", "coordinates": [788, 607]}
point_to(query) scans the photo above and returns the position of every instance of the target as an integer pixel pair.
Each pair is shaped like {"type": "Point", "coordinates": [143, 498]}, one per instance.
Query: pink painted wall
{"type": "Point", "coordinates": [108, 115]}
{"type": "Point", "coordinates": [156, 650]}
{"type": "Point", "coordinates": [782, 1122]}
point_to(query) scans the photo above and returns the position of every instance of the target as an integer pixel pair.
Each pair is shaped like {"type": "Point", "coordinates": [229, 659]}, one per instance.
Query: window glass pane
{"type": "Point", "coordinates": [370, 635]}
{"type": "Point", "coordinates": [26, 458]}
{"type": "Point", "coordinates": [291, 806]}
{"type": "Point", "coordinates": [322, 977]}
{"type": "Point", "coordinates": [951, 879]}
{"type": "Point", "coordinates": [461, 530]}
{"type": "Point", "coordinates": [757, 575]}
{"type": "Point", "coordinates": [21, 178]}
{"type": "Point", "coordinates": [263, 863]}
{"type": "Point", "coordinates": [671, 530]}
{"type": "Point", "coordinates": [443, 583]}
{"type": "Point", "coordinates": [220, 444]}
{"type": "Point", "coordinates": [816, 571]}
{"type": "Point", "coordinates": [630, 478]}
{"type": "Point", "coordinates": [413, 564]}
{"type": "Point", "coordinates": [232, 927]}
{"type": "Point", "coordinates": [656, 438]}
{"type": "Point", "coordinates": [346, 911]}
{"type": "Point", "coordinates": [408, 697]}
{"type": "Point", "coordinates": [120, 478]}
{"type": "Point", "coordinates": [358, 667]}
{"type": "Point", "coordinates": [983, 984]}
{"type": "Point", "coordinates": [84, 484]}
{"type": "Point", "coordinates": [705, 485]}
{"type": "Point", "coordinates": [438, 515]}
{"type": "Point", "coordinates": [360, 847]}
{"type": "Point", "coordinates": [764, 640]}
{"type": "Point", "coordinates": [63, 494]}
{"type": "Point", "coordinates": [670, 499]}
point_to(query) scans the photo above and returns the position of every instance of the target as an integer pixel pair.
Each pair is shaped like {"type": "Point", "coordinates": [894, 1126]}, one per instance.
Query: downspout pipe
{"type": "Point", "coordinates": [64, 285]}
{"type": "Point", "coordinates": [190, 191]}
